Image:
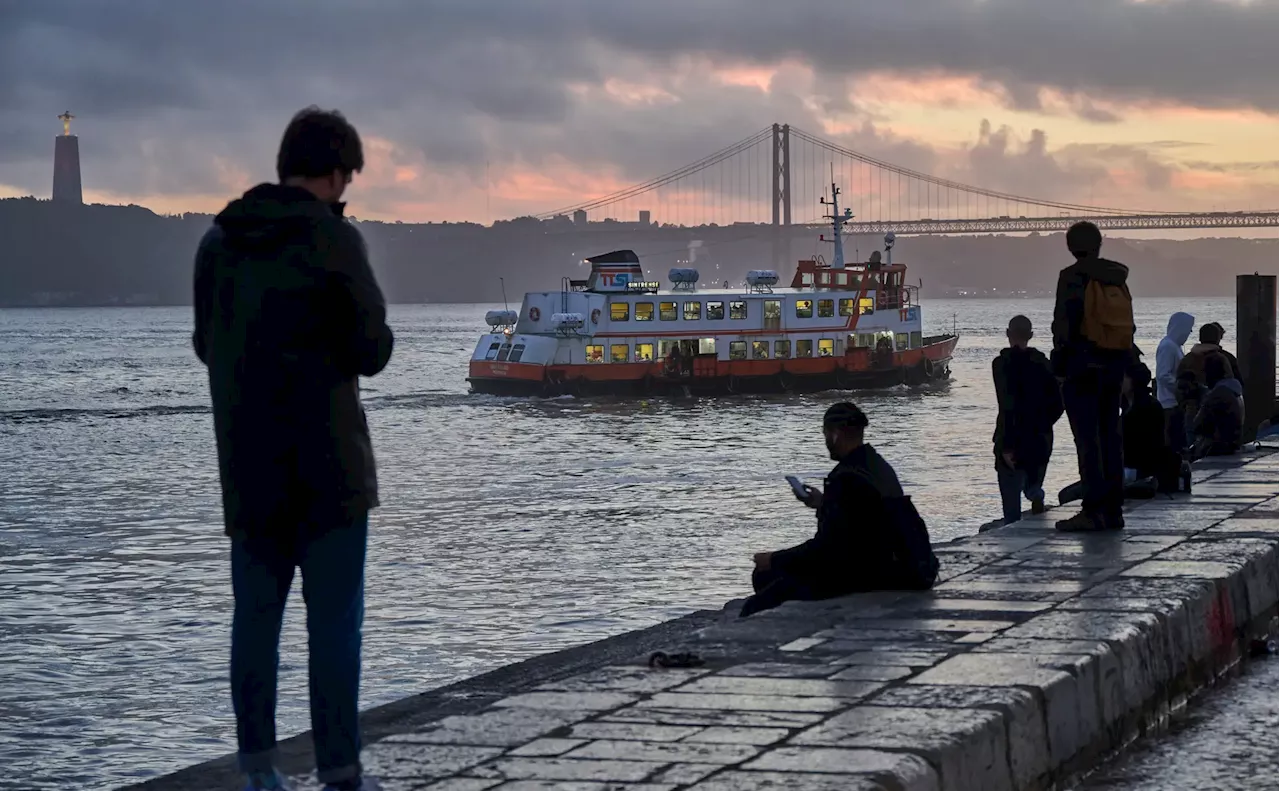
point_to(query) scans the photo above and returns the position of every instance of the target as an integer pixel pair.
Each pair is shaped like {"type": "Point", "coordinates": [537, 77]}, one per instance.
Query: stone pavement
{"type": "Point", "coordinates": [1037, 654]}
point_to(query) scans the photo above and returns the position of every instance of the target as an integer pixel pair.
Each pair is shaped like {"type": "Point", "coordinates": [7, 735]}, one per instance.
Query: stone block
{"type": "Point", "coordinates": [852, 629]}
{"type": "Point", "coordinates": [797, 687]}
{"type": "Point", "coordinates": [779, 670]}
{"type": "Point", "coordinates": [637, 731]}
{"type": "Point", "coordinates": [655, 715]}
{"type": "Point", "coordinates": [452, 784]}
{"type": "Point", "coordinates": [405, 761]}
{"type": "Point", "coordinates": [499, 728]}
{"type": "Point", "coordinates": [791, 781]}
{"type": "Point", "coordinates": [966, 746]}
{"type": "Point", "coordinates": [567, 701]}
{"type": "Point", "coordinates": [968, 583]}
{"type": "Point", "coordinates": [566, 769]}
{"type": "Point", "coordinates": [836, 760]}
{"type": "Point", "coordinates": [682, 774]}
{"type": "Point", "coordinates": [959, 605]}
{"type": "Point", "coordinates": [547, 747]}
{"type": "Point", "coordinates": [640, 680]}
{"type": "Point", "coordinates": [896, 656]}
{"type": "Point", "coordinates": [865, 672]}
{"type": "Point", "coordinates": [726, 735]}
{"type": "Point", "coordinates": [729, 703]}
{"type": "Point", "coordinates": [667, 752]}
{"type": "Point", "coordinates": [1195, 569]}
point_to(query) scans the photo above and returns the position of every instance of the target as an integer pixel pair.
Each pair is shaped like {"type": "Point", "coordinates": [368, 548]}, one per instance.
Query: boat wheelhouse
{"type": "Point", "coordinates": [835, 327]}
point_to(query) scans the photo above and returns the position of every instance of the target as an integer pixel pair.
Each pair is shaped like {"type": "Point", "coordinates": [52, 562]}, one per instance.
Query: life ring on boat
{"type": "Point", "coordinates": [595, 316]}
{"type": "Point", "coordinates": [534, 314]}
{"type": "Point", "coordinates": [928, 368]}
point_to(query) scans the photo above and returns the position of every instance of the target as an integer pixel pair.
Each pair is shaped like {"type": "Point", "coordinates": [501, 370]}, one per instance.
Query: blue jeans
{"type": "Point", "coordinates": [1014, 484]}
{"type": "Point", "coordinates": [333, 588]}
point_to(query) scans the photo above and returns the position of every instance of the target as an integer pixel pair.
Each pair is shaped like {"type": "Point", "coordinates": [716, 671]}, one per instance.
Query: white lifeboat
{"type": "Point", "coordinates": [501, 318]}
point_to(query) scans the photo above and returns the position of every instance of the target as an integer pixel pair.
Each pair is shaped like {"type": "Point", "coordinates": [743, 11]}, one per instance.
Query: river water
{"type": "Point", "coordinates": [510, 527]}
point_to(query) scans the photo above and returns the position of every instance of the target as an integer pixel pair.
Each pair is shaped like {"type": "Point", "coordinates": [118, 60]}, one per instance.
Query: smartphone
{"type": "Point", "coordinates": [796, 486]}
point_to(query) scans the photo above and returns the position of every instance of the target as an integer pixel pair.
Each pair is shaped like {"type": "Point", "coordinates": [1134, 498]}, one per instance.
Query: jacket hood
{"type": "Point", "coordinates": [1232, 384]}
{"type": "Point", "coordinates": [1180, 325]}
{"type": "Point", "coordinates": [268, 214]}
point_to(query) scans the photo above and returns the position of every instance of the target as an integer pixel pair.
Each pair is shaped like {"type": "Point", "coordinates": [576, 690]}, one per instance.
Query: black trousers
{"type": "Point", "coordinates": [1092, 399]}
{"type": "Point", "coordinates": [772, 588]}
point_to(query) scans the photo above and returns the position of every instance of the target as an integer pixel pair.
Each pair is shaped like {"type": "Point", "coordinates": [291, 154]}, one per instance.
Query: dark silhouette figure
{"type": "Point", "coordinates": [1219, 425]}
{"type": "Point", "coordinates": [1210, 343]}
{"type": "Point", "coordinates": [1030, 403]}
{"type": "Point", "coordinates": [288, 317]}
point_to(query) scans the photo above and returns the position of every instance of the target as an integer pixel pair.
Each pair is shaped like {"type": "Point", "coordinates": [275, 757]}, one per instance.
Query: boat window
{"type": "Point", "coordinates": [595, 354]}
{"type": "Point", "coordinates": [846, 307]}
{"type": "Point", "coordinates": [865, 339]}
{"type": "Point", "coordinates": [667, 311]}
{"type": "Point", "coordinates": [826, 347]}
{"type": "Point", "coordinates": [806, 279]}
{"type": "Point", "coordinates": [692, 311]}
{"type": "Point", "coordinates": [493, 351]}
{"type": "Point", "coordinates": [759, 350]}
{"type": "Point", "coordinates": [773, 309]}
{"type": "Point", "coordinates": [715, 311]}
{"type": "Point", "coordinates": [504, 352]}
{"type": "Point", "coordinates": [900, 340]}
{"type": "Point", "coordinates": [737, 350]}
{"type": "Point", "coordinates": [842, 278]}
{"type": "Point", "coordinates": [804, 308]}
{"type": "Point", "coordinates": [644, 352]}
{"type": "Point", "coordinates": [619, 311]}
{"type": "Point", "coordinates": [517, 352]}
{"type": "Point", "coordinates": [664, 348]}
{"type": "Point", "coordinates": [826, 308]}
{"type": "Point", "coordinates": [738, 309]}
{"type": "Point", "coordinates": [867, 306]}
{"type": "Point", "coordinates": [917, 339]}
{"type": "Point", "coordinates": [782, 349]}
{"type": "Point", "coordinates": [619, 353]}
{"type": "Point", "coordinates": [706, 346]}
{"type": "Point", "coordinates": [644, 311]}
{"type": "Point", "coordinates": [804, 348]}
{"type": "Point", "coordinates": [824, 278]}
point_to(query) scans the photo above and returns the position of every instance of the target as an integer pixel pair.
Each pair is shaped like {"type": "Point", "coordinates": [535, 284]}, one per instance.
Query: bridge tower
{"type": "Point", "coordinates": [66, 164]}
{"type": "Point", "coordinates": [781, 197]}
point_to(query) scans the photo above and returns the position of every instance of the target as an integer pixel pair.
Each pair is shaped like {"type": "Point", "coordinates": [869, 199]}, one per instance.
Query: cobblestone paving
{"type": "Point", "coordinates": [1032, 657]}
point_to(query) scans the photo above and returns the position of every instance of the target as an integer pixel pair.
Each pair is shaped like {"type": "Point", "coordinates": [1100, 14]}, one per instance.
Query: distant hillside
{"type": "Point", "coordinates": [109, 255]}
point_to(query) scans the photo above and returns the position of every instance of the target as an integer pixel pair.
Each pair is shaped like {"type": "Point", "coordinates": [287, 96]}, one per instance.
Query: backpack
{"type": "Point", "coordinates": [1108, 316]}
{"type": "Point", "coordinates": [916, 567]}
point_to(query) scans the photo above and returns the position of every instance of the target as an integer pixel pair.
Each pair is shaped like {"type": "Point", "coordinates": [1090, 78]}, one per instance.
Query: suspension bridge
{"type": "Point", "coordinates": [752, 183]}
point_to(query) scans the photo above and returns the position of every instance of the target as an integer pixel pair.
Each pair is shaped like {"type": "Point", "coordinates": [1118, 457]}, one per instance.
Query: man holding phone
{"type": "Point", "coordinates": [869, 535]}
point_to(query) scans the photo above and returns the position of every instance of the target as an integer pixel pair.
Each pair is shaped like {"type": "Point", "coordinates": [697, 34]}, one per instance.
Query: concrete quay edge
{"type": "Point", "coordinates": [1036, 656]}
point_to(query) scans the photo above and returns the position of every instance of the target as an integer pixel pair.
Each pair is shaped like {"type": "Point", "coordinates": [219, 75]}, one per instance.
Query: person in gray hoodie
{"type": "Point", "coordinates": [1168, 355]}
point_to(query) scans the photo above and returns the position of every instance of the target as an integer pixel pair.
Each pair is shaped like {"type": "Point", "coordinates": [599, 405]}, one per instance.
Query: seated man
{"type": "Point", "coordinates": [1146, 442]}
{"type": "Point", "coordinates": [1210, 343]}
{"type": "Point", "coordinates": [1219, 425]}
{"type": "Point", "coordinates": [869, 534]}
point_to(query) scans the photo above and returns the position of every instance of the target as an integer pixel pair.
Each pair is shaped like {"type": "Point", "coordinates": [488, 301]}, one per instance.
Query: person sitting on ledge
{"type": "Point", "coordinates": [1219, 426]}
{"type": "Point", "coordinates": [869, 536]}
{"type": "Point", "coordinates": [1147, 453]}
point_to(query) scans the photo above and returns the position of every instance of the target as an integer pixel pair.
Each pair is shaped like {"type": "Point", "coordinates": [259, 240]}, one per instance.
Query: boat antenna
{"type": "Point", "coordinates": [503, 283]}
{"type": "Point", "coordinates": [837, 221]}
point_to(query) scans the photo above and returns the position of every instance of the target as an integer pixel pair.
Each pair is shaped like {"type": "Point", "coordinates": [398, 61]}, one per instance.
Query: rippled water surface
{"type": "Point", "coordinates": [510, 527]}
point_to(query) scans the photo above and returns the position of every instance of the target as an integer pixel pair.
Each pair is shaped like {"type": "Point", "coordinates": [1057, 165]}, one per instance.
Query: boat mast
{"type": "Point", "coordinates": [837, 221]}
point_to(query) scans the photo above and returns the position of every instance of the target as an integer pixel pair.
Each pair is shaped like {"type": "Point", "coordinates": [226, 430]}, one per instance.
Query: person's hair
{"type": "Point", "coordinates": [318, 142]}
{"type": "Point", "coordinates": [1084, 239]}
{"type": "Point", "coordinates": [1140, 375]}
{"type": "Point", "coordinates": [1211, 333]}
{"type": "Point", "coordinates": [1215, 369]}
{"type": "Point", "coordinates": [844, 415]}
{"type": "Point", "coordinates": [1020, 328]}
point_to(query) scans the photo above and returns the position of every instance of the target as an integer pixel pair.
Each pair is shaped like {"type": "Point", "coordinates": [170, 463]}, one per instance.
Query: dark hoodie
{"type": "Point", "coordinates": [1219, 425]}
{"type": "Point", "coordinates": [1030, 403]}
{"type": "Point", "coordinates": [288, 317]}
{"type": "Point", "coordinates": [1072, 352]}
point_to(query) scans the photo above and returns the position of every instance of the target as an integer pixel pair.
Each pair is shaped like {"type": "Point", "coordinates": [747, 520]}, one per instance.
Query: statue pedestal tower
{"type": "Point", "coordinates": [66, 164]}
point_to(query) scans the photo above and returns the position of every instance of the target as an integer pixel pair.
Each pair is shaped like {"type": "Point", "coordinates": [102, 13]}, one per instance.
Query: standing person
{"type": "Point", "coordinates": [1030, 403]}
{"type": "Point", "coordinates": [1168, 356]}
{"type": "Point", "coordinates": [1092, 346]}
{"type": "Point", "coordinates": [288, 316]}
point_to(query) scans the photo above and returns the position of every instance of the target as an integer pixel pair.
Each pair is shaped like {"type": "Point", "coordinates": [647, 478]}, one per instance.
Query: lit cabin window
{"type": "Point", "coordinates": [619, 311]}
{"type": "Point", "coordinates": [619, 353]}
{"type": "Point", "coordinates": [493, 351]}
{"type": "Point", "coordinates": [826, 347]}
{"type": "Point", "coordinates": [917, 339]}
{"type": "Point", "coordinates": [644, 352]}
{"type": "Point", "coordinates": [667, 311]}
{"type": "Point", "coordinates": [644, 311]}
{"type": "Point", "coordinates": [715, 311]}
{"type": "Point", "coordinates": [826, 308]}
{"type": "Point", "coordinates": [692, 311]}
{"type": "Point", "coordinates": [504, 352]}
{"type": "Point", "coordinates": [706, 346]}
{"type": "Point", "coordinates": [664, 348]}
{"type": "Point", "coordinates": [900, 340]}
{"type": "Point", "coordinates": [804, 348]}
{"type": "Point", "coordinates": [867, 306]}
{"type": "Point", "coordinates": [517, 352]}
{"type": "Point", "coordinates": [804, 308]}
{"type": "Point", "coordinates": [737, 310]}
{"type": "Point", "coordinates": [846, 307]}
{"type": "Point", "coordinates": [759, 350]}
{"type": "Point", "coordinates": [595, 354]}
{"type": "Point", "coordinates": [866, 339]}
{"type": "Point", "coordinates": [782, 349]}
{"type": "Point", "coordinates": [737, 350]}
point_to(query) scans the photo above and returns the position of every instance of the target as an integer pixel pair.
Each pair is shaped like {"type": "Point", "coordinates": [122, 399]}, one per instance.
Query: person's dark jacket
{"type": "Point", "coordinates": [288, 316]}
{"type": "Point", "coordinates": [1072, 352]}
{"type": "Point", "coordinates": [1219, 425]}
{"type": "Point", "coordinates": [1194, 360]}
{"type": "Point", "coordinates": [1146, 440]}
{"type": "Point", "coordinates": [850, 550]}
{"type": "Point", "coordinates": [1030, 403]}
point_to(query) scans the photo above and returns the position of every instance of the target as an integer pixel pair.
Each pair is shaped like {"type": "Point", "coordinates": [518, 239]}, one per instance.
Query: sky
{"type": "Point", "coordinates": [480, 110]}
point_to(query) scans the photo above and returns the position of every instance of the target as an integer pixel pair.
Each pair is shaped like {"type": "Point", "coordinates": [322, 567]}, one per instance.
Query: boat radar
{"type": "Point", "coordinates": [837, 224]}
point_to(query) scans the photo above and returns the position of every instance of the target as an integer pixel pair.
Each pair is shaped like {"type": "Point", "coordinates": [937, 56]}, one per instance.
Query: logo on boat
{"type": "Point", "coordinates": [498, 369]}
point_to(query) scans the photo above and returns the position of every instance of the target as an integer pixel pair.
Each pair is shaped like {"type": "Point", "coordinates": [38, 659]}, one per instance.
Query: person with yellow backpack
{"type": "Point", "coordinates": [1093, 333]}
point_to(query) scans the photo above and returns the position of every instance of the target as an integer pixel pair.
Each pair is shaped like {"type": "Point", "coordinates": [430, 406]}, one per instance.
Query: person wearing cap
{"type": "Point", "coordinates": [869, 536]}
{"type": "Point", "coordinates": [1030, 403]}
{"type": "Point", "coordinates": [1210, 343]}
{"type": "Point", "coordinates": [1091, 372]}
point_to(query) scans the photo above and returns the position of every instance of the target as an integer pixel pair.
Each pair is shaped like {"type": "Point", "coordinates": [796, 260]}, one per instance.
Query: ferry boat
{"type": "Point", "coordinates": [836, 327]}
